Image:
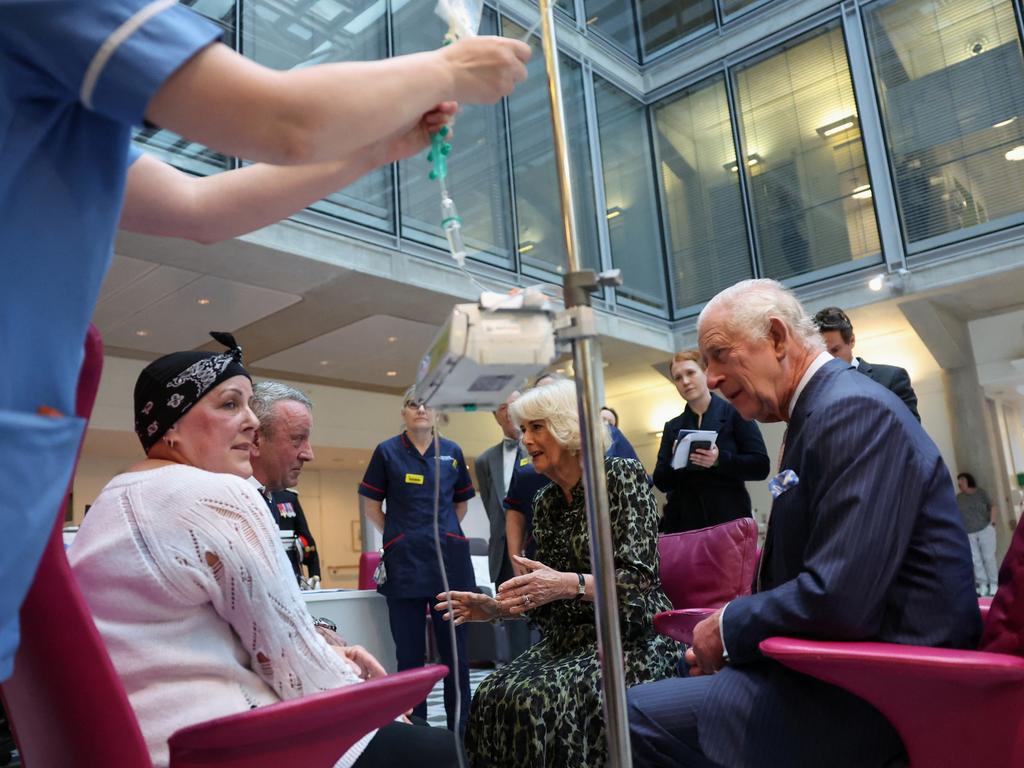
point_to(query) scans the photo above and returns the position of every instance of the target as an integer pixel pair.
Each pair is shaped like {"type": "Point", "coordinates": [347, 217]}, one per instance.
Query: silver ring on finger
{"type": "Point", "coordinates": [526, 599]}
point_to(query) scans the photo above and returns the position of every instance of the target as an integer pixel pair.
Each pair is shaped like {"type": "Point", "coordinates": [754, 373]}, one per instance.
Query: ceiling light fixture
{"type": "Point", "coordinates": [1004, 123]}
{"type": "Point", "coordinates": [392, 339]}
{"type": "Point", "coordinates": [526, 246]}
{"type": "Point", "coordinates": [876, 282]}
{"type": "Point", "coordinates": [391, 373]}
{"type": "Point", "coordinates": [142, 332]}
{"type": "Point", "coordinates": [202, 302]}
{"type": "Point", "coordinates": [841, 125]}
{"type": "Point", "coordinates": [1017, 153]}
{"type": "Point", "coordinates": [325, 362]}
{"type": "Point", "coordinates": [614, 212]}
{"type": "Point", "coordinates": [863, 192]}
{"type": "Point", "coordinates": [752, 159]}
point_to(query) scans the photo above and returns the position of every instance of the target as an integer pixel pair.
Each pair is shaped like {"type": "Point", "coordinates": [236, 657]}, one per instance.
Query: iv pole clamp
{"type": "Point", "coordinates": [578, 325]}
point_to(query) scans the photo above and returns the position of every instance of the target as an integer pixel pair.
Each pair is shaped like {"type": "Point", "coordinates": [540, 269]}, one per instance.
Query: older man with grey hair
{"type": "Point", "coordinates": [864, 542]}
{"type": "Point", "coordinates": [279, 450]}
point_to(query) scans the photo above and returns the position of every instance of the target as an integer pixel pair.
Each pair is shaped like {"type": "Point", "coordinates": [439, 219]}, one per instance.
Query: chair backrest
{"type": "Point", "coordinates": [1004, 624]}
{"type": "Point", "coordinates": [66, 703]}
{"type": "Point", "coordinates": [709, 567]}
{"type": "Point", "coordinates": [367, 565]}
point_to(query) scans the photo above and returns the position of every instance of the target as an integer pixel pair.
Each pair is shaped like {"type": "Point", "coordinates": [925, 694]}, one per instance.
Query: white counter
{"type": "Point", "coordinates": [361, 616]}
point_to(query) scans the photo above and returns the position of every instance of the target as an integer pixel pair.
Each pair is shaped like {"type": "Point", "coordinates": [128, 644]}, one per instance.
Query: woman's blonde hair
{"type": "Point", "coordinates": [555, 405]}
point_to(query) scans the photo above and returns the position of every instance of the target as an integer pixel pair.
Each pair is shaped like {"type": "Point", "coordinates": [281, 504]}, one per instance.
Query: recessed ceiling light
{"type": "Point", "coordinates": [391, 373]}
{"type": "Point", "coordinates": [560, 370]}
{"type": "Point", "coordinates": [863, 192]}
{"type": "Point", "coordinates": [142, 332]}
{"type": "Point", "coordinates": [1017, 153]}
{"type": "Point", "coordinates": [325, 362]}
{"type": "Point", "coordinates": [1004, 123]}
{"type": "Point", "coordinates": [202, 302]}
{"type": "Point", "coordinates": [392, 339]}
{"type": "Point", "coordinates": [876, 283]}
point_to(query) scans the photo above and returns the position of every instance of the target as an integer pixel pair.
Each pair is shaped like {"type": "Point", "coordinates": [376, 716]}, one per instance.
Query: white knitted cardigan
{"type": "Point", "coordinates": [190, 588]}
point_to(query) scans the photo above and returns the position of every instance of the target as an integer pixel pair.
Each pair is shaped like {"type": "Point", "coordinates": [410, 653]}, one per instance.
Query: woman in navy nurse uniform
{"type": "Point", "coordinates": [402, 473]}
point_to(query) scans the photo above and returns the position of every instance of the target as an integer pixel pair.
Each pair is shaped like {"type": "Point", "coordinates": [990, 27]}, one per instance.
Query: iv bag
{"type": "Point", "coordinates": [463, 17]}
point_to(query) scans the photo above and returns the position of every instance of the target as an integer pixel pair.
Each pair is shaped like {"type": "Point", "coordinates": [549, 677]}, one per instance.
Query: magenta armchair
{"type": "Point", "coordinates": [67, 705]}
{"type": "Point", "coordinates": [951, 707]}
{"type": "Point", "coordinates": [702, 570]}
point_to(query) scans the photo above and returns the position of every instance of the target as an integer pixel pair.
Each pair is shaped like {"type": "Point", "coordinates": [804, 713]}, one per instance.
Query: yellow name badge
{"type": "Point", "coordinates": [524, 461]}
{"type": "Point", "coordinates": [414, 479]}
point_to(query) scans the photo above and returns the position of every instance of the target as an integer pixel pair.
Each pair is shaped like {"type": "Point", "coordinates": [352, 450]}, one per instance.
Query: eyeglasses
{"type": "Point", "coordinates": [415, 404]}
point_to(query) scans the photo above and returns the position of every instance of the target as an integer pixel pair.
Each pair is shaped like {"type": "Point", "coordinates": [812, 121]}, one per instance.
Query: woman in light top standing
{"type": "Point", "coordinates": [710, 489]}
{"type": "Point", "coordinates": [979, 516]}
{"type": "Point", "coordinates": [180, 563]}
{"type": "Point", "coordinates": [403, 473]}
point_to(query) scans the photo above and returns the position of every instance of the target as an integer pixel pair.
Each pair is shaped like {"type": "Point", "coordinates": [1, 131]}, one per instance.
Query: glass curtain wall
{"type": "Point", "coordinates": [614, 20]}
{"type": "Point", "coordinates": [663, 22]}
{"type": "Point", "coordinates": [478, 174]}
{"type": "Point", "coordinates": [634, 233]}
{"type": "Point", "coordinates": [803, 156]}
{"type": "Point", "coordinates": [700, 188]}
{"type": "Point", "coordinates": [950, 78]}
{"type": "Point", "coordinates": [541, 241]}
{"type": "Point", "coordinates": [292, 34]}
{"type": "Point", "coordinates": [168, 145]}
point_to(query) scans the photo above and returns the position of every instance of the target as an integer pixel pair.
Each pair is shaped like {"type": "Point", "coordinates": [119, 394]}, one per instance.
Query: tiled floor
{"type": "Point", "coordinates": [435, 701]}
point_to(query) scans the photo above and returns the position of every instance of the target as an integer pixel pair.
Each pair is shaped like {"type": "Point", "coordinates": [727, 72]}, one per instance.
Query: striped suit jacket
{"type": "Point", "coordinates": [868, 545]}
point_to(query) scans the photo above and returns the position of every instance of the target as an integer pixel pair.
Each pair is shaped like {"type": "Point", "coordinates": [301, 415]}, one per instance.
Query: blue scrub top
{"type": "Point", "coordinates": [404, 478]}
{"type": "Point", "coordinates": [75, 76]}
{"type": "Point", "coordinates": [527, 482]}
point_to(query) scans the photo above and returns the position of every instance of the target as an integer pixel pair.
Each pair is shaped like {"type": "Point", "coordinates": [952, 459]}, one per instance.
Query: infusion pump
{"type": "Point", "coordinates": [480, 356]}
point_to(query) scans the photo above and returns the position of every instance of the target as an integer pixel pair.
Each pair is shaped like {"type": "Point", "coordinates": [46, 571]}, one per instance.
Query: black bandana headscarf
{"type": "Point", "coordinates": [172, 384]}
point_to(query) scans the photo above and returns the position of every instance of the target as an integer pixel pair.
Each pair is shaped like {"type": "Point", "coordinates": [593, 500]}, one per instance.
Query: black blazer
{"type": "Point", "coordinates": [289, 516]}
{"type": "Point", "coordinates": [893, 378]}
{"type": "Point", "coordinates": [699, 497]}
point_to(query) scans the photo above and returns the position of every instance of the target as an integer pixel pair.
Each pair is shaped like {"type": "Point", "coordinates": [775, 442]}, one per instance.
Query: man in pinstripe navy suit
{"type": "Point", "coordinates": [864, 543]}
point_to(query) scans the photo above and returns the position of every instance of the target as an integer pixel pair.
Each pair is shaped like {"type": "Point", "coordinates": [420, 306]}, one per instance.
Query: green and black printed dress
{"type": "Point", "coordinates": [544, 708]}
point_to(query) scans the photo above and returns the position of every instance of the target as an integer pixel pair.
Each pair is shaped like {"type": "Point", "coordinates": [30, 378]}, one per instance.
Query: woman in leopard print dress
{"type": "Point", "coordinates": [544, 709]}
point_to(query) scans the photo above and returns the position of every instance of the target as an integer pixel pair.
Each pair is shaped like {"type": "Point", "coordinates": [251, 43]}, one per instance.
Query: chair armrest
{"type": "Point", "coordinates": [679, 624]}
{"type": "Point", "coordinates": [311, 730]}
{"type": "Point", "coordinates": [843, 663]}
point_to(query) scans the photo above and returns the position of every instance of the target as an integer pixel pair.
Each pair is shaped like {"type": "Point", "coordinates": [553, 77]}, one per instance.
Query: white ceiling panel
{"type": "Point", "coordinates": [360, 352]}
{"type": "Point", "coordinates": [178, 321]}
{"type": "Point", "coordinates": [132, 285]}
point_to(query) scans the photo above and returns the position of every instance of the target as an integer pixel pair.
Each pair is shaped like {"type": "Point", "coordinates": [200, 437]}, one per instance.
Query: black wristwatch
{"type": "Point", "coordinates": [581, 590]}
{"type": "Point", "coordinates": [325, 624]}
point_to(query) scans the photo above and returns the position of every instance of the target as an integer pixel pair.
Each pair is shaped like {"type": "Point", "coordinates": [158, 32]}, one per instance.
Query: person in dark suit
{"type": "Point", "coordinates": [710, 489]}
{"type": "Point", "coordinates": [854, 551]}
{"type": "Point", "coordinates": [494, 468]}
{"type": "Point", "coordinates": [278, 452]}
{"type": "Point", "coordinates": [837, 332]}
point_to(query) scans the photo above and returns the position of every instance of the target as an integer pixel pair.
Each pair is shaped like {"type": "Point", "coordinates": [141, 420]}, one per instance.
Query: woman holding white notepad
{"type": "Point", "coordinates": [710, 488]}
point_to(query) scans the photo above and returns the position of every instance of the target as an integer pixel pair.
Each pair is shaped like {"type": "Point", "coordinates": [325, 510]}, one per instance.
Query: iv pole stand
{"type": "Point", "coordinates": [578, 325]}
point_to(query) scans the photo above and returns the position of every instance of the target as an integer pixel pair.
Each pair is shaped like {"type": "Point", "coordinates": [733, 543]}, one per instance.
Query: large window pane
{"type": "Point", "coordinates": [477, 167]}
{"type": "Point", "coordinates": [538, 203]}
{"type": "Point", "coordinates": [614, 20]}
{"type": "Point", "coordinates": [731, 7]}
{"type": "Point", "coordinates": [290, 34]}
{"type": "Point", "coordinates": [804, 157]}
{"type": "Point", "coordinates": [951, 81]}
{"type": "Point", "coordinates": [633, 228]}
{"type": "Point", "coordinates": [662, 22]}
{"type": "Point", "coordinates": [700, 187]}
{"type": "Point", "coordinates": [168, 145]}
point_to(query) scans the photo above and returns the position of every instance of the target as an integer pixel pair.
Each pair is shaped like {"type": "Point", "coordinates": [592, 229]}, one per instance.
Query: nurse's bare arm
{"type": "Point", "coordinates": [515, 534]}
{"type": "Point", "coordinates": [161, 200]}
{"type": "Point", "coordinates": [460, 509]}
{"type": "Point", "coordinates": [374, 512]}
{"type": "Point", "coordinates": [326, 112]}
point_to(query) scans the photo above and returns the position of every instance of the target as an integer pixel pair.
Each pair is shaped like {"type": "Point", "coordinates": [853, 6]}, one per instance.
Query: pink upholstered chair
{"type": "Point", "coordinates": [67, 705]}
{"type": "Point", "coordinates": [952, 708]}
{"type": "Point", "coordinates": [367, 565]}
{"type": "Point", "coordinates": [702, 570]}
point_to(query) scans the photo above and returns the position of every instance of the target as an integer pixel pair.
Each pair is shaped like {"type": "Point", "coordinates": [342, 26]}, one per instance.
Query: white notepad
{"type": "Point", "coordinates": [684, 442]}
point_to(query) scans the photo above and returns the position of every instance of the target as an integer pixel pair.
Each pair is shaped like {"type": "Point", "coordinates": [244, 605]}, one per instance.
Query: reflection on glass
{"type": "Point", "coordinates": [478, 168]}
{"type": "Point", "coordinates": [700, 187]}
{"type": "Point", "coordinates": [951, 81]}
{"type": "Point", "coordinates": [632, 216]}
{"type": "Point", "coordinates": [664, 21]}
{"type": "Point", "coordinates": [614, 20]}
{"type": "Point", "coordinates": [805, 159]}
{"type": "Point", "coordinates": [168, 145]}
{"type": "Point", "coordinates": [538, 205]}
{"type": "Point", "coordinates": [730, 7]}
{"type": "Point", "coordinates": [287, 35]}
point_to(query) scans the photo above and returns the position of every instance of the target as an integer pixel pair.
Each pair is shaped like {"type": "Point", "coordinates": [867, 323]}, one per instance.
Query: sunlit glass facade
{"type": "Point", "coordinates": [710, 142]}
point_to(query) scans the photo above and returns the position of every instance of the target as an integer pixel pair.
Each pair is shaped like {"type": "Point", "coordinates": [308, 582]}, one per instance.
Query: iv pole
{"type": "Point", "coordinates": [578, 325]}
